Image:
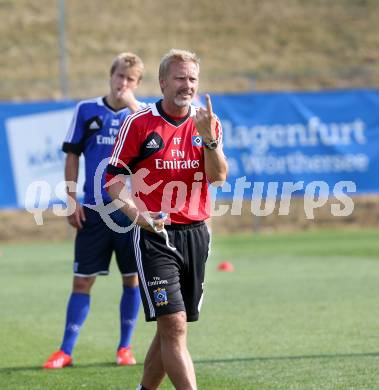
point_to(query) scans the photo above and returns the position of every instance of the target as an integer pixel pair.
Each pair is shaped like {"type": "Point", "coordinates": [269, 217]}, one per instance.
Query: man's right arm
{"type": "Point", "coordinates": [117, 190]}
{"type": "Point", "coordinates": [117, 171]}
{"type": "Point", "coordinates": [71, 173]}
{"type": "Point", "coordinates": [129, 100]}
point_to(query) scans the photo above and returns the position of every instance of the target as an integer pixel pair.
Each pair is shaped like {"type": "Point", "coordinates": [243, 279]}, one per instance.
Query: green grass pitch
{"type": "Point", "coordinates": [300, 311]}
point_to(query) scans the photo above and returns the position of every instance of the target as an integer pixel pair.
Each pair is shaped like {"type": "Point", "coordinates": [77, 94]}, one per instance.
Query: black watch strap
{"type": "Point", "coordinates": [211, 144]}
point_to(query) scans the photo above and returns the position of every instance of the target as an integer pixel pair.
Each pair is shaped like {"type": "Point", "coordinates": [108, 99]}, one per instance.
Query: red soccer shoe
{"type": "Point", "coordinates": [58, 359]}
{"type": "Point", "coordinates": [125, 357]}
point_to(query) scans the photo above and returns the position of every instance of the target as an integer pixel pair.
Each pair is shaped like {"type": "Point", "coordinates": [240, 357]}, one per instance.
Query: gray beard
{"type": "Point", "coordinates": [181, 103]}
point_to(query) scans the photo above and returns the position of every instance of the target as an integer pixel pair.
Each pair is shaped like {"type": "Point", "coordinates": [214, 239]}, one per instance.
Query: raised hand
{"type": "Point", "coordinates": [127, 99]}
{"type": "Point", "coordinates": [205, 121]}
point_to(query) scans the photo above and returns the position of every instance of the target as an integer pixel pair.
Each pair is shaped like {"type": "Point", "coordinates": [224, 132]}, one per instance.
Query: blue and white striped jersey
{"type": "Point", "coordinates": [93, 132]}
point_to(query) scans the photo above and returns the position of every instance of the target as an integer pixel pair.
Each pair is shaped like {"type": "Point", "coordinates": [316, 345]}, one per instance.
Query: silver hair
{"type": "Point", "coordinates": [176, 55]}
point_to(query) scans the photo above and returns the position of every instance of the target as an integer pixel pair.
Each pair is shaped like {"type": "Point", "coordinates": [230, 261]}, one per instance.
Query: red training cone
{"type": "Point", "coordinates": [226, 266]}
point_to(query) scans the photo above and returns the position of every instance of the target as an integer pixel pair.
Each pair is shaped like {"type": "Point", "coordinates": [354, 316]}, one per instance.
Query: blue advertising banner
{"type": "Point", "coordinates": [280, 137]}
{"type": "Point", "coordinates": [302, 137]}
{"type": "Point", "coordinates": [31, 137]}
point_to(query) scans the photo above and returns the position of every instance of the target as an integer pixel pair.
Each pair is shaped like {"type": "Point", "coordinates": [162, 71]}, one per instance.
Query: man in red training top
{"type": "Point", "coordinates": [174, 151]}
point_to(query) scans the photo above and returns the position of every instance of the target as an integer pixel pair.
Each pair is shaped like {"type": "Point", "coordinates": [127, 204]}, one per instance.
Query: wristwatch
{"type": "Point", "coordinates": [211, 144]}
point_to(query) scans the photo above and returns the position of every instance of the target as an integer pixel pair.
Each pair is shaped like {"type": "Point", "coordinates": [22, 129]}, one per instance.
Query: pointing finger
{"type": "Point", "coordinates": [209, 104]}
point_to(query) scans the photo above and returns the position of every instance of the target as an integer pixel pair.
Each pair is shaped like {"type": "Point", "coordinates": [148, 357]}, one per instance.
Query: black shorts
{"type": "Point", "coordinates": [96, 242]}
{"type": "Point", "coordinates": [172, 280]}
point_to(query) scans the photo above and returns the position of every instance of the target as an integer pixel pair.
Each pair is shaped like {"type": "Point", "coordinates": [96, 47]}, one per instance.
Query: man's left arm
{"type": "Point", "coordinates": [216, 167]}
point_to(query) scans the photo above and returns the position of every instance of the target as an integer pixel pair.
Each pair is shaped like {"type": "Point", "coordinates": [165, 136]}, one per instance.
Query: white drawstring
{"type": "Point", "coordinates": [150, 221]}
{"type": "Point", "coordinates": [164, 231]}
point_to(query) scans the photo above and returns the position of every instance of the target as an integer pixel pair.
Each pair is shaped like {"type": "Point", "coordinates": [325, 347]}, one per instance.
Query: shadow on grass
{"type": "Point", "coordinates": [74, 367]}
{"type": "Point", "coordinates": [206, 361]}
{"type": "Point", "coordinates": [299, 357]}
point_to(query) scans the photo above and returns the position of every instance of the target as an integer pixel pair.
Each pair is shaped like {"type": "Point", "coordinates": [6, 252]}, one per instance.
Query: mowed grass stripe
{"type": "Point", "coordinates": [299, 312]}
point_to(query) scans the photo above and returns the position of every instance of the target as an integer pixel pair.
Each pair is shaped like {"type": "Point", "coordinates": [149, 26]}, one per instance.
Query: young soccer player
{"type": "Point", "coordinates": [92, 133]}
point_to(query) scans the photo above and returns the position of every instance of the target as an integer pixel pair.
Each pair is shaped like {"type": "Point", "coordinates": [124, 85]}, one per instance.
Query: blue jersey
{"type": "Point", "coordinates": [93, 132]}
